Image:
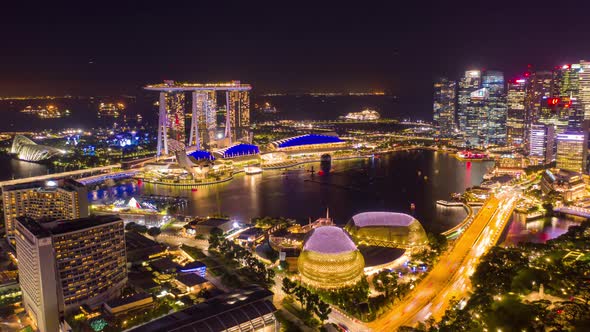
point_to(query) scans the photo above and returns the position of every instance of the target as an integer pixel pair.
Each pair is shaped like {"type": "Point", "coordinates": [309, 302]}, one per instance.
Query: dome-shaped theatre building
{"type": "Point", "coordinates": [386, 229]}
{"type": "Point", "coordinates": [330, 259]}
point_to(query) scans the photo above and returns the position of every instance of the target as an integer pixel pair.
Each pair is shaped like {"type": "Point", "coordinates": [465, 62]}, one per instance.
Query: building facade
{"type": "Point", "coordinates": [572, 149]}
{"type": "Point", "coordinates": [542, 143]}
{"type": "Point", "coordinates": [171, 114]}
{"type": "Point", "coordinates": [553, 109]}
{"type": "Point", "coordinates": [538, 89]}
{"type": "Point", "coordinates": [569, 185]}
{"type": "Point", "coordinates": [175, 116]}
{"type": "Point", "coordinates": [68, 263]}
{"type": "Point", "coordinates": [66, 199]}
{"type": "Point", "coordinates": [238, 115]}
{"type": "Point", "coordinates": [444, 106]}
{"type": "Point", "coordinates": [567, 81]}
{"type": "Point", "coordinates": [482, 107]}
{"type": "Point", "coordinates": [468, 108]}
{"type": "Point", "coordinates": [516, 116]}
{"type": "Point", "coordinates": [204, 121]}
{"type": "Point", "coordinates": [584, 79]}
{"type": "Point", "coordinates": [493, 130]}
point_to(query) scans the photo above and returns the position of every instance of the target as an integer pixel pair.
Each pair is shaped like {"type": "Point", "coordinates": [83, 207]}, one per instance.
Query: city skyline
{"type": "Point", "coordinates": [110, 50]}
{"type": "Point", "coordinates": [163, 165]}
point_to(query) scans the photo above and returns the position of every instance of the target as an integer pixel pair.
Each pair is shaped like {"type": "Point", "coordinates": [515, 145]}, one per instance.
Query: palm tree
{"type": "Point", "coordinates": [154, 232]}
{"type": "Point", "coordinates": [322, 310]}
{"type": "Point", "coordinates": [288, 286]}
{"type": "Point", "coordinates": [300, 294]}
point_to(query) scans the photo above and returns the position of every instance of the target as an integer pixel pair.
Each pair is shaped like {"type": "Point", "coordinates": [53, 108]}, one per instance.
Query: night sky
{"type": "Point", "coordinates": [98, 47]}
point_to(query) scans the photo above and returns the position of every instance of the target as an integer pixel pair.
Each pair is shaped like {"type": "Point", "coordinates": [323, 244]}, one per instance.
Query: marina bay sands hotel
{"type": "Point", "coordinates": [203, 124]}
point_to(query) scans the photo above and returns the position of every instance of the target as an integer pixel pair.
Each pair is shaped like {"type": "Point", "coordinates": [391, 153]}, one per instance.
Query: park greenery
{"type": "Point", "coordinates": [531, 287]}
{"type": "Point", "coordinates": [133, 227]}
{"type": "Point", "coordinates": [268, 222]}
{"type": "Point", "coordinates": [249, 267]}
{"type": "Point", "coordinates": [310, 301]}
{"type": "Point", "coordinates": [154, 231]}
{"type": "Point", "coordinates": [351, 299]}
{"type": "Point", "coordinates": [437, 244]}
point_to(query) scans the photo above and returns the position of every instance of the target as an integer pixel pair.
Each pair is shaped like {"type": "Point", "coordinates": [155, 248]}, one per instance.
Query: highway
{"type": "Point", "coordinates": [450, 276]}
{"type": "Point", "coordinates": [54, 176]}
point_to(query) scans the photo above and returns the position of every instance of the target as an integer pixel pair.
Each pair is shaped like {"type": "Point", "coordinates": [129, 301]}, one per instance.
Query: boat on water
{"type": "Point", "coordinates": [250, 170]}
{"type": "Point", "coordinates": [470, 155]}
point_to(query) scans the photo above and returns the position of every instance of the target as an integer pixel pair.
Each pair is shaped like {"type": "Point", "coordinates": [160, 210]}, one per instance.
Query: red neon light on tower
{"type": "Point", "coordinates": [552, 101]}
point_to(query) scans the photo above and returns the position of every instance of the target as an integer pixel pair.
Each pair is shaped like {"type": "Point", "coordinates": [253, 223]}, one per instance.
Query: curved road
{"type": "Point", "coordinates": [450, 276]}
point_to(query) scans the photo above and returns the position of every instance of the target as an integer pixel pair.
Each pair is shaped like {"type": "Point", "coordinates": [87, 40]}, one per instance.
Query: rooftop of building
{"type": "Point", "coordinates": [328, 240]}
{"type": "Point", "coordinates": [191, 279]}
{"type": "Point", "coordinates": [214, 222]}
{"type": "Point", "coordinates": [216, 314]}
{"type": "Point", "coordinates": [165, 264]}
{"type": "Point", "coordinates": [309, 139]}
{"type": "Point", "coordinates": [192, 266]}
{"type": "Point", "coordinates": [143, 280]}
{"type": "Point", "coordinates": [134, 240]}
{"type": "Point", "coordinates": [237, 150]}
{"type": "Point", "coordinates": [199, 155]}
{"type": "Point", "coordinates": [252, 231]}
{"type": "Point", "coordinates": [140, 247]}
{"type": "Point", "coordinates": [373, 219]}
{"type": "Point", "coordinates": [43, 228]}
{"type": "Point", "coordinates": [562, 175]}
{"type": "Point", "coordinates": [167, 86]}
{"type": "Point", "coordinates": [128, 299]}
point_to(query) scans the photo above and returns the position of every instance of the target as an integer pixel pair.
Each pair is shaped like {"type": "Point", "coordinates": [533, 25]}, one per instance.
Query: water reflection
{"type": "Point", "coordinates": [391, 183]}
{"type": "Point", "coordinates": [537, 231]}
{"type": "Point", "coordinates": [15, 169]}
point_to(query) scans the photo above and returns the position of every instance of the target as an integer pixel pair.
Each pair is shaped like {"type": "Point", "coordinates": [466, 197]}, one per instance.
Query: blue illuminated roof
{"type": "Point", "coordinates": [199, 154]}
{"type": "Point", "coordinates": [239, 150]}
{"type": "Point", "coordinates": [308, 140]}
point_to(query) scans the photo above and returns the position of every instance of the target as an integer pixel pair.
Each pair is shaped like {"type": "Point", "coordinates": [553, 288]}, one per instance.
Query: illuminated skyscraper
{"type": "Point", "coordinates": [477, 116]}
{"type": "Point", "coordinates": [482, 107]}
{"type": "Point", "coordinates": [238, 115]}
{"type": "Point", "coordinates": [567, 79]}
{"type": "Point", "coordinates": [444, 106]}
{"type": "Point", "coordinates": [584, 74]}
{"type": "Point", "coordinates": [204, 118]}
{"type": "Point", "coordinates": [542, 143]}
{"type": "Point", "coordinates": [515, 120]}
{"type": "Point", "coordinates": [175, 110]}
{"type": "Point", "coordinates": [65, 264]}
{"type": "Point", "coordinates": [553, 107]}
{"type": "Point", "coordinates": [537, 91]}
{"type": "Point", "coordinates": [171, 123]}
{"type": "Point", "coordinates": [469, 108]}
{"type": "Point", "coordinates": [493, 130]}
{"type": "Point", "coordinates": [572, 149]}
{"type": "Point", "coordinates": [66, 199]}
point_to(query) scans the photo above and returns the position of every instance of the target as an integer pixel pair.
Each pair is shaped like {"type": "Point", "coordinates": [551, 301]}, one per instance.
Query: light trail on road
{"type": "Point", "coordinates": [450, 276]}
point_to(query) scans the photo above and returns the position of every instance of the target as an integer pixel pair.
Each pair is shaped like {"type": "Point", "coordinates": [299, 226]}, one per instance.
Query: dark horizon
{"type": "Point", "coordinates": [82, 49]}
